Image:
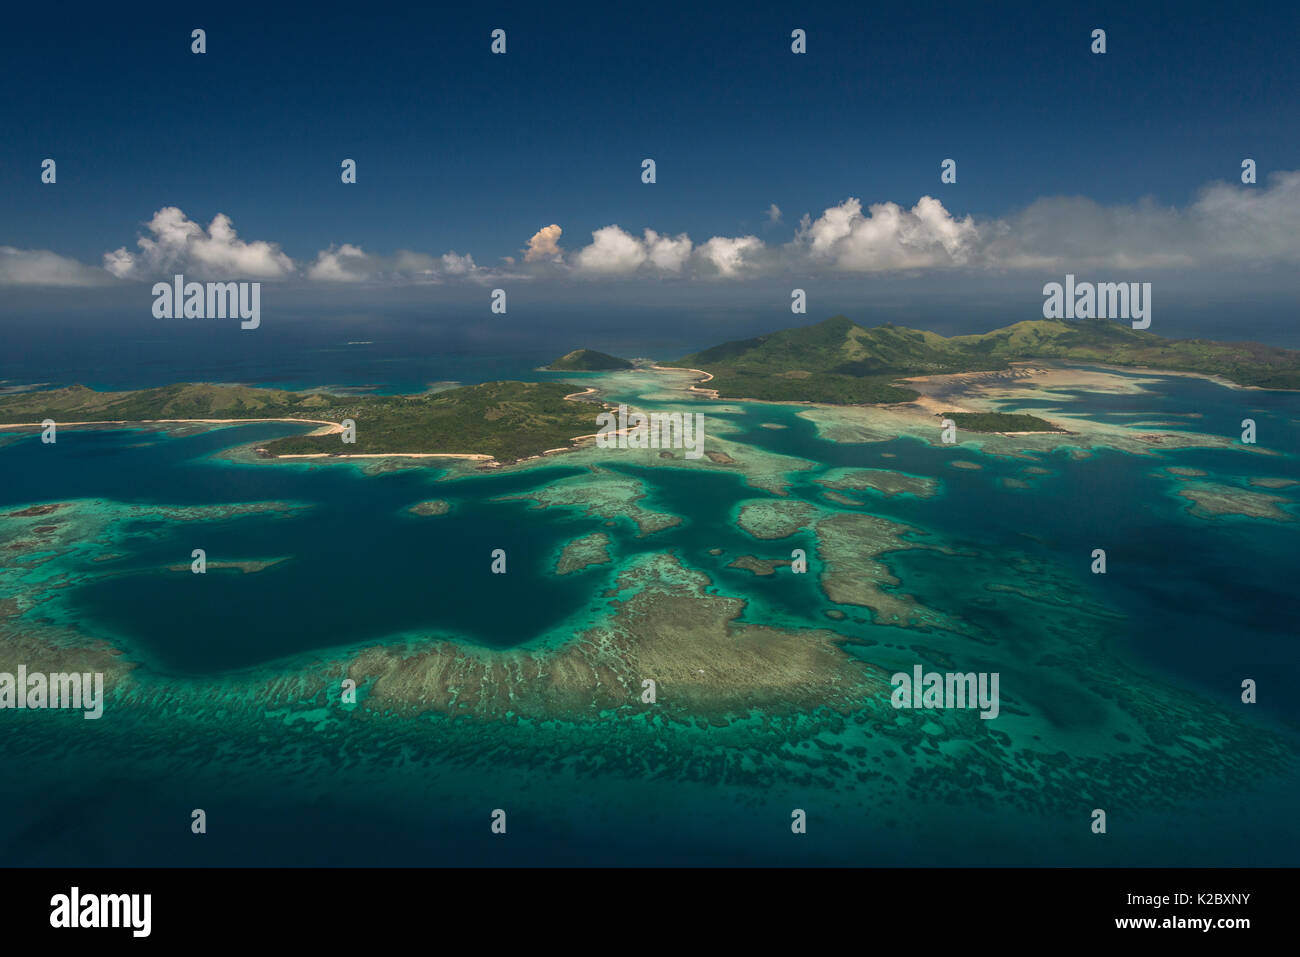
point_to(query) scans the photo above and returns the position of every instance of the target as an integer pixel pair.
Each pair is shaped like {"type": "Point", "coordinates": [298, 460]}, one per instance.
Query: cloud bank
{"type": "Point", "coordinates": [40, 267]}
{"type": "Point", "coordinates": [349, 263]}
{"type": "Point", "coordinates": [1227, 226]}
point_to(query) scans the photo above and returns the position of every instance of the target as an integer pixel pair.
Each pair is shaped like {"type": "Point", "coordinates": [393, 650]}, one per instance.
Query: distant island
{"type": "Point", "coordinates": [588, 360]}
{"type": "Point", "coordinates": [841, 363]}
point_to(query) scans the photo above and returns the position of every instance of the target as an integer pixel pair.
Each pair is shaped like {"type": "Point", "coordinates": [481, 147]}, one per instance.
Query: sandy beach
{"type": "Point", "coordinates": [329, 428]}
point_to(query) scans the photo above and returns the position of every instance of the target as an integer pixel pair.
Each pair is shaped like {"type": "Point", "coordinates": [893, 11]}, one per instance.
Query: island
{"type": "Point", "coordinates": [839, 362]}
{"type": "Point", "coordinates": [1004, 422]}
{"type": "Point", "coordinates": [588, 360]}
{"type": "Point", "coordinates": [504, 421]}
{"type": "Point", "coordinates": [831, 363]}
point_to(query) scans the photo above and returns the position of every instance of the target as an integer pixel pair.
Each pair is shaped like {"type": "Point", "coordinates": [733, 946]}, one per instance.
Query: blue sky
{"type": "Point", "coordinates": [461, 150]}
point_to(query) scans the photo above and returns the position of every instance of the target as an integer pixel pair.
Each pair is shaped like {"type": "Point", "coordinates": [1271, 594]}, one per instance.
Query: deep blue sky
{"type": "Point", "coordinates": [459, 149]}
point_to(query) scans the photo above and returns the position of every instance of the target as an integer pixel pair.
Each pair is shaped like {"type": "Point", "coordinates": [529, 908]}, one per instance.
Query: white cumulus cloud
{"type": "Point", "coordinates": [454, 264]}
{"type": "Point", "coordinates": [346, 263]}
{"type": "Point", "coordinates": [667, 253]}
{"type": "Point", "coordinates": [544, 246]}
{"type": "Point", "coordinates": [731, 256]}
{"type": "Point", "coordinates": [888, 237]}
{"type": "Point", "coordinates": [178, 244]}
{"type": "Point", "coordinates": [616, 252]}
{"type": "Point", "coordinates": [350, 263]}
{"type": "Point", "coordinates": [613, 251]}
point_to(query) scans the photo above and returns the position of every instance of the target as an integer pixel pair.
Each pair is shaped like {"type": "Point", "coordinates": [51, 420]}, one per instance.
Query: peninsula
{"type": "Point", "coordinates": [839, 362]}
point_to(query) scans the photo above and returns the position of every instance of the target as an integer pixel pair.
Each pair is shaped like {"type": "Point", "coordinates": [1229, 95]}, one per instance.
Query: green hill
{"type": "Point", "coordinates": [838, 361]}
{"type": "Point", "coordinates": [588, 360]}
{"type": "Point", "coordinates": [507, 420]}
{"type": "Point", "coordinates": [185, 400]}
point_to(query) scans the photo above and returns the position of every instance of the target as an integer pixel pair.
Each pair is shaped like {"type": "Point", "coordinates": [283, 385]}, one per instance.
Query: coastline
{"type": "Point", "coordinates": [1043, 373]}
{"type": "Point", "coordinates": [325, 428]}
{"type": "Point", "coordinates": [694, 387]}
{"type": "Point", "coordinates": [333, 427]}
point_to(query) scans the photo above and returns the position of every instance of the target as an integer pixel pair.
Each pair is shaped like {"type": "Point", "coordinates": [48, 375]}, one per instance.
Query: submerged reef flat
{"type": "Point", "coordinates": [850, 546]}
{"type": "Point", "coordinates": [212, 513]}
{"type": "Point", "coordinates": [766, 519]}
{"type": "Point", "coordinates": [1271, 482]}
{"type": "Point", "coordinates": [94, 529]}
{"type": "Point", "coordinates": [31, 641]}
{"type": "Point", "coordinates": [602, 493]}
{"type": "Point", "coordinates": [582, 552]}
{"type": "Point", "coordinates": [884, 481]}
{"type": "Point", "coordinates": [841, 499]}
{"type": "Point", "coordinates": [759, 566]}
{"type": "Point", "coordinates": [51, 548]}
{"type": "Point", "coordinates": [1211, 499]}
{"type": "Point", "coordinates": [434, 506]}
{"type": "Point", "coordinates": [248, 566]}
{"type": "Point", "coordinates": [1208, 499]}
{"type": "Point", "coordinates": [667, 629]}
{"type": "Point", "coordinates": [736, 704]}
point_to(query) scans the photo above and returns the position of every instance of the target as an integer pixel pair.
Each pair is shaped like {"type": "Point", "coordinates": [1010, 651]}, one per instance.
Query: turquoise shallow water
{"type": "Point", "coordinates": [1188, 603]}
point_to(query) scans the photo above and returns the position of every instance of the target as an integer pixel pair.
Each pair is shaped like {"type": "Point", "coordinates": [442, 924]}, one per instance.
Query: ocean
{"type": "Point", "coordinates": [1121, 691]}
